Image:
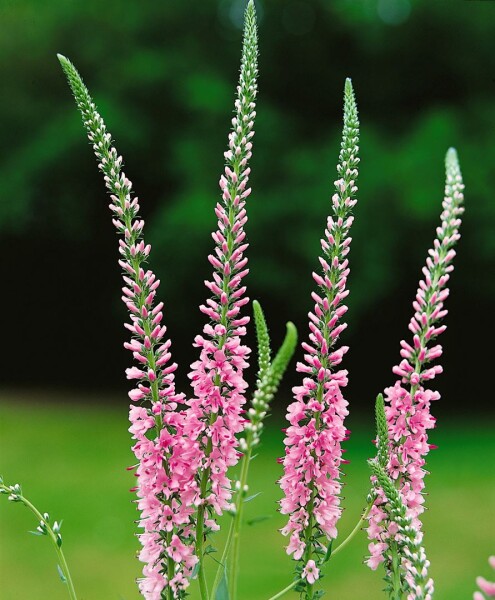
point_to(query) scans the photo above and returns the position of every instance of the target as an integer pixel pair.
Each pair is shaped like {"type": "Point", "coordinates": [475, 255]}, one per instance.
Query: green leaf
{"type": "Point", "coordinates": [249, 498]}
{"type": "Point", "coordinates": [259, 519]}
{"type": "Point", "coordinates": [195, 571]}
{"type": "Point", "coordinates": [223, 589]}
{"type": "Point", "coordinates": [61, 574]}
{"type": "Point", "coordinates": [328, 553]}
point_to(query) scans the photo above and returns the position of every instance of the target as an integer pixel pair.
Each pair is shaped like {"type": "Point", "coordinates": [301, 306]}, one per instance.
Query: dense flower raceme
{"type": "Point", "coordinates": [214, 413]}
{"type": "Point", "coordinates": [174, 445]}
{"type": "Point", "coordinates": [311, 480]}
{"type": "Point", "coordinates": [408, 401]}
{"type": "Point", "coordinates": [167, 459]}
{"type": "Point", "coordinates": [418, 585]}
{"type": "Point", "coordinates": [488, 587]}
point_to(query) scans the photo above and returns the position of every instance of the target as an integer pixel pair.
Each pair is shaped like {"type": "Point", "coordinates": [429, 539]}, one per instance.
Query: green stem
{"type": "Point", "coordinates": [309, 531]}
{"type": "Point", "coordinates": [236, 535]}
{"type": "Point", "coordinates": [285, 590]}
{"type": "Point", "coordinates": [233, 537]}
{"type": "Point", "coordinates": [223, 561]}
{"type": "Point", "coordinates": [396, 592]}
{"type": "Point", "coordinates": [170, 567]}
{"type": "Point", "coordinates": [358, 527]}
{"type": "Point", "coordinates": [200, 538]}
{"type": "Point", "coordinates": [60, 554]}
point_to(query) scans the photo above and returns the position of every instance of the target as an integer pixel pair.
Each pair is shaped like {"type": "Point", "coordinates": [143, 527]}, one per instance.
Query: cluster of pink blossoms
{"type": "Point", "coordinates": [166, 486]}
{"type": "Point", "coordinates": [183, 452]}
{"type": "Point", "coordinates": [408, 401]}
{"type": "Point", "coordinates": [311, 480]}
{"type": "Point", "coordinates": [214, 414]}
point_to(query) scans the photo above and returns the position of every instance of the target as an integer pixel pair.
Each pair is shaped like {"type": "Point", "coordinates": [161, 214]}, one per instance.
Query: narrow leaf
{"type": "Point", "coordinates": [223, 589]}
{"type": "Point", "coordinates": [259, 519]}
{"type": "Point", "coordinates": [61, 574]}
{"type": "Point", "coordinates": [249, 498]}
{"type": "Point", "coordinates": [328, 553]}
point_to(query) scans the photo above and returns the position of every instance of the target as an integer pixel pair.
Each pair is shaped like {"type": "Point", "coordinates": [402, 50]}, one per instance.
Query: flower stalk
{"type": "Point", "coordinates": [45, 527]}
{"type": "Point", "coordinates": [269, 377]}
{"type": "Point", "coordinates": [311, 480]}
{"type": "Point", "coordinates": [408, 402]}
{"type": "Point", "coordinates": [185, 447]}
{"type": "Point", "coordinates": [166, 486]}
{"type": "Point", "coordinates": [213, 417]}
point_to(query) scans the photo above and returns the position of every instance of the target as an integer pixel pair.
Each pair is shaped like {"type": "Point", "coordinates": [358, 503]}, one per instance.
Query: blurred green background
{"type": "Point", "coordinates": [163, 75]}
{"type": "Point", "coordinates": [72, 462]}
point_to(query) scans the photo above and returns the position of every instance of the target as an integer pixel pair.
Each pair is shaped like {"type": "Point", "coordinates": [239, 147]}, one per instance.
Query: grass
{"type": "Point", "coordinates": [70, 459]}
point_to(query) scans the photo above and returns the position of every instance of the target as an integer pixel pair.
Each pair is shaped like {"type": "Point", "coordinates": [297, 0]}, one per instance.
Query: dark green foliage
{"type": "Point", "coordinates": [161, 72]}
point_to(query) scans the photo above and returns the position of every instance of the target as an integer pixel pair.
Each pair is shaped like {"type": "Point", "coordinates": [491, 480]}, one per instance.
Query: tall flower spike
{"type": "Point", "coordinates": [408, 401]}
{"type": "Point", "coordinates": [313, 456]}
{"type": "Point", "coordinates": [166, 459]}
{"type": "Point", "coordinates": [214, 413]}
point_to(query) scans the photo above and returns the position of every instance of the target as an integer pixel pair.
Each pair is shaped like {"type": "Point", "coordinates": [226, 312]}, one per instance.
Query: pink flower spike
{"type": "Point", "coordinates": [313, 452]}
{"type": "Point", "coordinates": [167, 462]}
{"type": "Point", "coordinates": [214, 414]}
{"type": "Point", "coordinates": [407, 403]}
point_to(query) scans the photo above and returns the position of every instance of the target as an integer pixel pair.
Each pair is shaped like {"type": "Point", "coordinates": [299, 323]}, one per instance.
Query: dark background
{"type": "Point", "coordinates": [163, 75]}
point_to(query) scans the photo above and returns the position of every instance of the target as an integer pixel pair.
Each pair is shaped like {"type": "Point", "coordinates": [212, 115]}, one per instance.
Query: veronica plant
{"type": "Point", "coordinates": [167, 458]}
{"type": "Point", "coordinates": [408, 401]}
{"type": "Point", "coordinates": [311, 480]}
{"type": "Point", "coordinates": [186, 446]}
{"type": "Point", "coordinates": [214, 415]}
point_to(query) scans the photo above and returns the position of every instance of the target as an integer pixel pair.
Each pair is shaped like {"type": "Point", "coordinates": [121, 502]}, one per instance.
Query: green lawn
{"type": "Point", "coordinates": [71, 458]}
